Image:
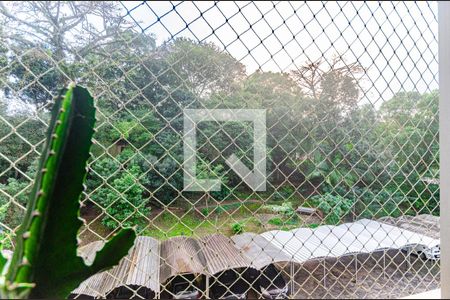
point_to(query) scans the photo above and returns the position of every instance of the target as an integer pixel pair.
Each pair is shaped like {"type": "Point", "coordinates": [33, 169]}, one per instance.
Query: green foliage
{"type": "Point", "coordinates": [176, 225]}
{"type": "Point", "coordinates": [206, 171]}
{"type": "Point", "coordinates": [285, 209]}
{"type": "Point", "coordinates": [205, 211]}
{"type": "Point", "coordinates": [276, 221]}
{"type": "Point", "coordinates": [376, 204]}
{"type": "Point", "coordinates": [237, 228]}
{"type": "Point", "coordinates": [284, 193]}
{"type": "Point", "coordinates": [333, 207]}
{"type": "Point", "coordinates": [219, 70]}
{"type": "Point", "coordinates": [13, 199]}
{"type": "Point", "coordinates": [319, 137]}
{"type": "Point", "coordinates": [122, 195]}
{"type": "Point", "coordinates": [45, 262]}
{"type": "Point", "coordinates": [220, 209]}
{"type": "Point", "coordinates": [287, 213]}
{"type": "Point", "coordinates": [242, 208]}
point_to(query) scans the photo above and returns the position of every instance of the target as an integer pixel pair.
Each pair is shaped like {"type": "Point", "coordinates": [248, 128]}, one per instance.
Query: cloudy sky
{"type": "Point", "coordinates": [395, 42]}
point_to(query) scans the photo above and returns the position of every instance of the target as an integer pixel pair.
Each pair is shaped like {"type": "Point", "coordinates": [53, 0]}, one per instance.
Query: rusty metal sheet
{"type": "Point", "coordinates": [181, 255]}
{"type": "Point", "coordinates": [221, 254]}
{"type": "Point", "coordinates": [140, 267]}
{"type": "Point", "coordinates": [259, 251]}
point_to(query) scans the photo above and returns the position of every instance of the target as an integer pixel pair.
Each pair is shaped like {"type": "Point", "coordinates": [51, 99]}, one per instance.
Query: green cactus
{"type": "Point", "coordinates": [45, 262]}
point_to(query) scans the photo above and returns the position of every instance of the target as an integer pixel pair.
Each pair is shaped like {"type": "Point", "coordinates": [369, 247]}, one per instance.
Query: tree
{"type": "Point", "coordinates": [410, 134]}
{"type": "Point", "coordinates": [47, 37]}
{"type": "Point", "coordinates": [202, 67]}
{"type": "Point", "coordinates": [332, 85]}
{"type": "Point", "coordinates": [66, 27]}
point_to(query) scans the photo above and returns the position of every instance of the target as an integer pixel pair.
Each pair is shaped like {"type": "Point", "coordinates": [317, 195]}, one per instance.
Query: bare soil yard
{"type": "Point", "coordinates": [380, 275]}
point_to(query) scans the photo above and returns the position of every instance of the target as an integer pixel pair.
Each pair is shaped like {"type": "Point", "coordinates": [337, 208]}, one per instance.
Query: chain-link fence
{"type": "Point", "coordinates": [260, 149]}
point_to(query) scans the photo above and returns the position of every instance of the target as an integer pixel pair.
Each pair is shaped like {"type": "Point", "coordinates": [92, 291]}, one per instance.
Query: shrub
{"type": "Point", "coordinates": [333, 207]}
{"type": "Point", "coordinates": [122, 200]}
{"type": "Point", "coordinates": [376, 204]}
{"type": "Point", "coordinates": [15, 190]}
{"type": "Point", "coordinates": [205, 171]}
{"type": "Point", "coordinates": [237, 228]}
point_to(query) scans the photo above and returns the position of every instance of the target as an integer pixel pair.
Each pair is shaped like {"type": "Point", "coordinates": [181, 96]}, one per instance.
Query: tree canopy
{"type": "Point", "coordinates": [321, 137]}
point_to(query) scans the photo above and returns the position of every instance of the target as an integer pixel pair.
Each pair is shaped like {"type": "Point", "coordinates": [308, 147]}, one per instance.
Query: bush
{"type": "Point", "coordinates": [122, 199]}
{"type": "Point", "coordinates": [206, 171]}
{"type": "Point", "coordinates": [333, 207]}
{"type": "Point", "coordinates": [15, 190]}
{"type": "Point", "coordinates": [237, 228]}
{"type": "Point", "coordinates": [376, 204]}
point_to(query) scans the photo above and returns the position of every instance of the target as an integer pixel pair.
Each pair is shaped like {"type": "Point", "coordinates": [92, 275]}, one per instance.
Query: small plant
{"type": "Point", "coordinates": [204, 212]}
{"type": "Point", "coordinates": [276, 221]}
{"type": "Point", "coordinates": [237, 228]}
{"type": "Point", "coordinates": [45, 262]}
{"type": "Point", "coordinates": [284, 209]}
{"type": "Point", "coordinates": [333, 207]}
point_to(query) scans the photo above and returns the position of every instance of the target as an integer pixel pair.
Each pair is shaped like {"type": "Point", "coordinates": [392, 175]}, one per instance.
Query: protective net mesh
{"type": "Point", "coordinates": [268, 149]}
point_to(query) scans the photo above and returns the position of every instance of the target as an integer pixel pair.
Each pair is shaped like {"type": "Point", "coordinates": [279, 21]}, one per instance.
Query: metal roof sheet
{"type": "Point", "coordinates": [221, 254]}
{"type": "Point", "coordinates": [139, 267]}
{"type": "Point", "coordinates": [259, 251]}
{"type": "Point", "coordinates": [425, 224]}
{"type": "Point", "coordinates": [215, 253]}
{"type": "Point", "coordinates": [396, 237]}
{"type": "Point", "coordinates": [144, 264]}
{"type": "Point", "coordinates": [361, 236]}
{"type": "Point", "coordinates": [181, 255]}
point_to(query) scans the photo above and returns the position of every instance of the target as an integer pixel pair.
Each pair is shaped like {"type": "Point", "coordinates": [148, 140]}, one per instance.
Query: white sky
{"type": "Point", "coordinates": [395, 42]}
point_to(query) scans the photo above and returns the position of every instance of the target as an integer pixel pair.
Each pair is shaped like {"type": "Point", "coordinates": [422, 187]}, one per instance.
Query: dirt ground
{"type": "Point", "coordinates": [379, 275]}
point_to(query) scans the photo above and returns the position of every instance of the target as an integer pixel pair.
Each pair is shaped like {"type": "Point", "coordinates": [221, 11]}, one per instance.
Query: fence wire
{"type": "Point", "coordinates": [348, 205]}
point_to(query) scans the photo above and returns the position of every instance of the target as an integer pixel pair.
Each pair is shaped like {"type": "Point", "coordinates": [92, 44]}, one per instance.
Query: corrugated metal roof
{"type": "Point", "coordinates": [394, 237]}
{"type": "Point", "coordinates": [215, 253]}
{"type": "Point", "coordinates": [139, 267]}
{"type": "Point", "coordinates": [98, 285]}
{"type": "Point", "coordinates": [259, 251]}
{"type": "Point", "coordinates": [424, 224]}
{"type": "Point", "coordinates": [221, 254]}
{"type": "Point", "coordinates": [144, 264]}
{"type": "Point", "coordinates": [362, 236]}
{"type": "Point", "coordinates": [181, 255]}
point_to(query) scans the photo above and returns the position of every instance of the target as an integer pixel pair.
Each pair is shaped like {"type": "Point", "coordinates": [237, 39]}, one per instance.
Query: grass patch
{"type": "Point", "coordinates": [169, 225]}
{"type": "Point", "coordinates": [242, 208]}
{"type": "Point", "coordinates": [276, 221]}
{"type": "Point", "coordinates": [288, 222]}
